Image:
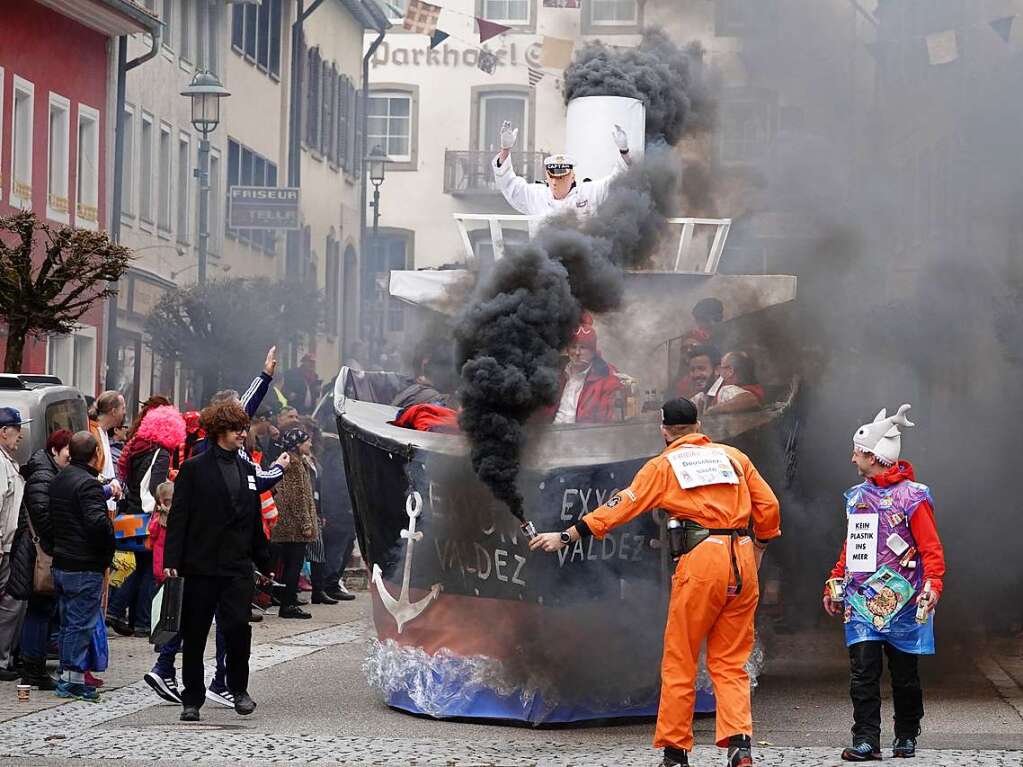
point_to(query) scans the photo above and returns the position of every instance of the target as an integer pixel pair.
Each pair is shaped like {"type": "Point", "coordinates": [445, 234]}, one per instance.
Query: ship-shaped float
{"type": "Point", "coordinates": [468, 622]}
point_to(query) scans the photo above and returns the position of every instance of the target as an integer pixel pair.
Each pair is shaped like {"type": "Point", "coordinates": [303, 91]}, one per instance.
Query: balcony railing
{"type": "Point", "coordinates": [469, 172]}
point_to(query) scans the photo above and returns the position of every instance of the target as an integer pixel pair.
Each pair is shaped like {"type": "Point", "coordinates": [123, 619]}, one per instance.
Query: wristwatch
{"type": "Point", "coordinates": [566, 538]}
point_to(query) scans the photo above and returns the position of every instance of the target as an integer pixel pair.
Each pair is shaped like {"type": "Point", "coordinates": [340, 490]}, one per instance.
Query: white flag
{"type": "Point", "coordinates": [943, 47]}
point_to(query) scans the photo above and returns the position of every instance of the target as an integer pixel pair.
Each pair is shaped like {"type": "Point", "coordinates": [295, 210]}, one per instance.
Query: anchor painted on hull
{"type": "Point", "coordinates": [401, 609]}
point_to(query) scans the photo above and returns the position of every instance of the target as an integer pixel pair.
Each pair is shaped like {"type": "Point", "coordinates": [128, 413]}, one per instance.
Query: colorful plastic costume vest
{"type": "Point", "coordinates": [880, 603]}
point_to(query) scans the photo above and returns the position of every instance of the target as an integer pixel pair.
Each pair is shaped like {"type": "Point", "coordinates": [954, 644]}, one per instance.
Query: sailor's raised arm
{"type": "Point", "coordinates": [601, 187]}
{"type": "Point", "coordinates": [512, 186]}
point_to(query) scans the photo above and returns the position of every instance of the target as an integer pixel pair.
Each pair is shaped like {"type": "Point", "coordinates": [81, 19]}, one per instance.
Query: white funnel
{"type": "Point", "coordinates": [588, 132]}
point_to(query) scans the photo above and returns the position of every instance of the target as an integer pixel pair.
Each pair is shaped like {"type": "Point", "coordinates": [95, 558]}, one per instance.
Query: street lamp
{"type": "Point", "coordinates": [206, 91]}
{"type": "Point", "coordinates": [376, 162]}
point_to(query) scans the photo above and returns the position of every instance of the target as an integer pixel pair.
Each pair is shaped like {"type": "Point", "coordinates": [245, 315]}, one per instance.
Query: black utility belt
{"type": "Point", "coordinates": [687, 536]}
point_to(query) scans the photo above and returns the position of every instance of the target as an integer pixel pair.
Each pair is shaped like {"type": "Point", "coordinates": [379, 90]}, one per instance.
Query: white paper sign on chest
{"type": "Point", "coordinates": [698, 467]}
{"type": "Point", "coordinates": [861, 543]}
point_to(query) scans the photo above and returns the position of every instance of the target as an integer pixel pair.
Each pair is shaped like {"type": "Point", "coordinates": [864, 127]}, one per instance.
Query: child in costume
{"type": "Point", "coordinates": [889, 576]}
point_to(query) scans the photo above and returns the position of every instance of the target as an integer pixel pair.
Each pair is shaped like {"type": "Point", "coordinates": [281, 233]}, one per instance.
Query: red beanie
{"type": "Point", "coordinates": [585, 334]}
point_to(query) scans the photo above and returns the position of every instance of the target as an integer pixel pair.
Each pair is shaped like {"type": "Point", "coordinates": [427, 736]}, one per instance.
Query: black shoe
{"type": "Point", "coordinates": [9, 674]}
{"type": "Point", "coordinates": [34, 674]}
{"type": "Point", "coordinates": [740, 751]}
{"type": "Point", "coordinates": [340, 593]}
{"type": "Point", "coordinates": [189, 714]}
{"type": "Point", "coordinates": [322, 598]}
{"type": "Point", "coordinates": [862, 752]}
{"type": "Point", "coordinates": [293, 611]}
{"type": "Point", "coordinates": [255, 616]}
{"type": "Point", "coordinates": [301, 602]}
{"type": "Point", "coordinates": [243, 704]}
{"type": "Point", "coordinates": [904, 747]}
{"type": "Point", "coordinates": [141, 634]}
{"type": "Point", "coordinates": [120, 626]}
{"type": "Point", "coordinates": [675, 757]}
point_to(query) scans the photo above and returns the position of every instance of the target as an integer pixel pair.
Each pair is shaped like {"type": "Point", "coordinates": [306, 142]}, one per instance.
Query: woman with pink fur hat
{"type": "Point", "coordinates": [144, 465]}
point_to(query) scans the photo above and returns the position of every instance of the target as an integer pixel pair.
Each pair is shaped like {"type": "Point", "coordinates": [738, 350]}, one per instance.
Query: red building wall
{"type": "Point", "coordinates": [55, 53]}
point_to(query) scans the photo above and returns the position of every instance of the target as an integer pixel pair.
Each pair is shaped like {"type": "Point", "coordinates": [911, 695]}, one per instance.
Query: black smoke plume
{"type": "Point", "coordinates": [665, 77]}
{"type": "Point", "coordinates": [510, 337]}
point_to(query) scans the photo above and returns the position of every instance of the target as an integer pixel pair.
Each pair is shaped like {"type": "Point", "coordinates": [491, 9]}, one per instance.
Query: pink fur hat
{"type": "Point", "coordinates": [163, 426]}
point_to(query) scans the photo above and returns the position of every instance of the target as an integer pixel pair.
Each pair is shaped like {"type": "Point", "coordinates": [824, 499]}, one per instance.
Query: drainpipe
{"type": "Point", "coordinates": [116, 203]}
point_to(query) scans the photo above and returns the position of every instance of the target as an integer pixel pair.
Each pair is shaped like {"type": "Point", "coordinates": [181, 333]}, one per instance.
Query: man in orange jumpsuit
{"type": "Point", "coordinates": [729, 514]}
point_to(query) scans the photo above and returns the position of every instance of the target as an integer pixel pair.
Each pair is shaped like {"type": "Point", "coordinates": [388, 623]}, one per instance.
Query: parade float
{"type": "Point", "coordinates": [470, 624]}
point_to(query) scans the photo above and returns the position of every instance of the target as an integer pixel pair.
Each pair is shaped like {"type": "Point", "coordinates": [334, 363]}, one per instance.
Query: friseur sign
{"type": "Point", "coordinates": [263, 207]}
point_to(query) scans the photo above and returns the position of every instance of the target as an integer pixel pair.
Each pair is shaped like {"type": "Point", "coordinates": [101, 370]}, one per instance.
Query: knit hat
{"type": "Point", "coordinates": [882, 437]}
{"type": "Point", "coordinates": [292, 438]}
{"type": "Point", "coordinates": [585, 334]}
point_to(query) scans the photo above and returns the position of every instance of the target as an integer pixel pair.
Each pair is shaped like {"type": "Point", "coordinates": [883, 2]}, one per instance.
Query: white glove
{"type": "Point", "coordinates": [509, 135]}
{"type": "Point", "coordinates": [620, 138]}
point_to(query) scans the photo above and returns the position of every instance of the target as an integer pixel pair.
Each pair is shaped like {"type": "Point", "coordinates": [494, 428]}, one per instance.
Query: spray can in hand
{"type": "Point", "coordinates": [529, 530]}
{"type": "Point", "coordinates": [922, 611]}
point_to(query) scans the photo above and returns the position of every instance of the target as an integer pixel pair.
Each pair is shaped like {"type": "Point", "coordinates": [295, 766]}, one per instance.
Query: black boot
{"type": "Point", "coordinates": [740, 751]}
{"type": "Point", "coordinates": [675, 757]}
{"type": "Point", "coordinates": [189, 714]}
{"type": "Point", "coordinates": [34, 673]}
{"type": "Point", "coordinates": [323, 598]}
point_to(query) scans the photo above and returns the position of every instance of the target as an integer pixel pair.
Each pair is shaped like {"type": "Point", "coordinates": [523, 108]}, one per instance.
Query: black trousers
{"type": "Point", "coordinates": [865, 690]}
{"type": "Point", "coordinates": [230, 599]}
{"type": "Point", "coordinates": [338, 544]}
{"type": "Point", "coordinates": [292, 555]}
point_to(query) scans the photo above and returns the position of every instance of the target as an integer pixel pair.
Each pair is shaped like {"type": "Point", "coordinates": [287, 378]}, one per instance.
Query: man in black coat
{"type": "Point", "coordinates": [83, 547]}
{"type": "Point", "coordinates": [214, 536]}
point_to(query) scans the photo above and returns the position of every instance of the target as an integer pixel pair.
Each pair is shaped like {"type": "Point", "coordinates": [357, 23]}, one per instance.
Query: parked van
{"type": "Point", "coordinates": [49, 404]}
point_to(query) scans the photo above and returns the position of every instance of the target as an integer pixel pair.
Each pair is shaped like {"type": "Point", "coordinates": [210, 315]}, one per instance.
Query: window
{"type": "Point", "coordinates": [58, 159]}
{"type": "Point", "coordinates": [507, 11]}
{"type": "Point", "coordinates": [494, 109]}
{"type": "Point", "coordinates": [184, 187]}
{"type": "Point", "coordinates": [128, 164]}
{"type": "Point", "coordinates": [146, 170]}
{"type": "Point", "coordinates": [167, 17]}
{"type": "Point", "coordinates": [87, 197]}
{"type": "Point", "coordinates": [22, 124]}
{"type": "Point", "coordinates": [390, 125]}
{"type": "Point", "coordinates": [395, 9]}
{"type": "Point", "coordinates": [613, 13]}
{"type": "Point", "coordinates": [384, 252]}
{"type": "Point", "coordinates": [188, 10]}
{"type": "Point", "coordinates": [72, 358]}
{"type": "Point", "coordinates": [736, 18]}
{"type": "Point", "coordinates": [248, 168]}
{"type": "Point", "coordinates": [256, 34]}
{"type": "Point", "coordinates": [215, 224]}
{"type": "Point", "coordinates": [333, 284]}
{"type": "Point", "coordinates": [211, 60]}
{"type": "Point", "coordinates": [163, 198]}
{"type": "Point", "coordinates": [746, 127]}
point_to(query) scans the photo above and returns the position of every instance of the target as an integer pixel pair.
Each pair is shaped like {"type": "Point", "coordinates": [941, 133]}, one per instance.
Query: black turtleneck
{"type": "Point", "coordinates": [227, 461]}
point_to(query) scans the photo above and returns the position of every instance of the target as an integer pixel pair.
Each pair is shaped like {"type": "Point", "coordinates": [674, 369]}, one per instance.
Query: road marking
{"type": "Point", "coordinates": [1006, 686]}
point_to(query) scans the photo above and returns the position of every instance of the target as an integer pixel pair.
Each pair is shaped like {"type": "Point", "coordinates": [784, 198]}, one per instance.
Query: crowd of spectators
{"type": "Point", "coordinates": [229, 499]}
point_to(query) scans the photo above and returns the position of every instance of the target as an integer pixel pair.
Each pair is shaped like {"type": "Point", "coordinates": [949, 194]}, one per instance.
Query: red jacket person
{"type": "Point", "coordinates": [729, 513]}
{"type": "Point", "coordinates": [589, 385]}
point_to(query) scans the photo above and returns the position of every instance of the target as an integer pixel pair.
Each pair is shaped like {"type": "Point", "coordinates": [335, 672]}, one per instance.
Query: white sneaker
{"type": "Point", "coordinates": [224, 698]}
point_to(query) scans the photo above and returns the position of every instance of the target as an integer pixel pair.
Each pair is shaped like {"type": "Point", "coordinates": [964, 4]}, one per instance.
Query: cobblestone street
{"type": "Point", "coordinates": [315, 707]}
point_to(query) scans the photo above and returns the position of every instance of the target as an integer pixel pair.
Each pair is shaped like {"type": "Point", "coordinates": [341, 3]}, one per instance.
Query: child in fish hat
{"type": "Point", "coordinates": [886, 583]}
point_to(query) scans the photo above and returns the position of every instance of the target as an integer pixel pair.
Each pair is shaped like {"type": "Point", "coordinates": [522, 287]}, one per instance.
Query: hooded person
{"type": "Point", "coordinates": [886, 583]}
{"type": "Point", "coordinates": [589, 386]}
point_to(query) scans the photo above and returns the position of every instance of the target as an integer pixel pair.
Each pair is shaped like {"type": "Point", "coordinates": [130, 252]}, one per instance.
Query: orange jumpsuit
{"type": "Point", "coordinates": [701, 608]}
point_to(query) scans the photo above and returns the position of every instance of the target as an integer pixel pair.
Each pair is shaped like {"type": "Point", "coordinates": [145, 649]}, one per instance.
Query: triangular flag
{"type": "Point", "coordinates": [556, 52]}
{"type": "Point", "coordinates": [490, 29]}
{"type": "Point", "coordinates": [487, 61]}
{"type": "Point", "coordinates": [535, 76]}
{"type": "Point", "coordinates": [1003, 27]}
{"type": "Point", "coordinates": [943, 47]}
{"type": "Point", "coordinates": [437, 38]}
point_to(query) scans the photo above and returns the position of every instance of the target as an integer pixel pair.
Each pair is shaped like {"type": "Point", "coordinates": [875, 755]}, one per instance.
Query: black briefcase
{"type": "Point", "coordinates": [166, 615]}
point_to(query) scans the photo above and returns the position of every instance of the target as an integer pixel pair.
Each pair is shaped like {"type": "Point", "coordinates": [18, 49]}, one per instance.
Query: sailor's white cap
{"type": "Point", "coordinates": [559, 165]}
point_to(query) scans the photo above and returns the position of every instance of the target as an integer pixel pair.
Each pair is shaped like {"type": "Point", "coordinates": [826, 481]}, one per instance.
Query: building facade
{"type": "Point", "coordinates": [56, 92]}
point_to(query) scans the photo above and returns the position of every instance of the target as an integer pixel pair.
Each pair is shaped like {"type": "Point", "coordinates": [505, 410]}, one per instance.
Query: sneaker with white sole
{"type": "Point", "coordinates": [223, 697]}
{"type": "Point", "coordinates": [165, 687]}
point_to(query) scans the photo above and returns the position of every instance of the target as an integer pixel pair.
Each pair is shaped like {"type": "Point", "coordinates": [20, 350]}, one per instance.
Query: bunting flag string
{"type": "Point", "coordinates": [946, 46]}
{"type": "Point", "coordinates": [421, 17]}
{"type": "Point", "coordinates": [1003, 27]}
{"type": "Point", "coordinates": [489, 29]}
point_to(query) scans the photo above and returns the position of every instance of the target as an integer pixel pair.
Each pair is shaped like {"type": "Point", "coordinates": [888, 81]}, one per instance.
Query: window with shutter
{"type": "Point", "coordinates": [312, 137]}
{"type": "Point", "coordinates": [326, 129]}
{"type": "Point", "coordinates": [342, 122]}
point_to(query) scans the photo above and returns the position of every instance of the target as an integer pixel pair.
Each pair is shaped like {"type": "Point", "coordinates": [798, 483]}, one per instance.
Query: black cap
{"type": "Point", "coordinates": [679, 412]}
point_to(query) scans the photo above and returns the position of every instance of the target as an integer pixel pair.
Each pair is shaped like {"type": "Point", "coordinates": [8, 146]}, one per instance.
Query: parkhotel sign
{"type": "Point", "coordinates": [445, 56]}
